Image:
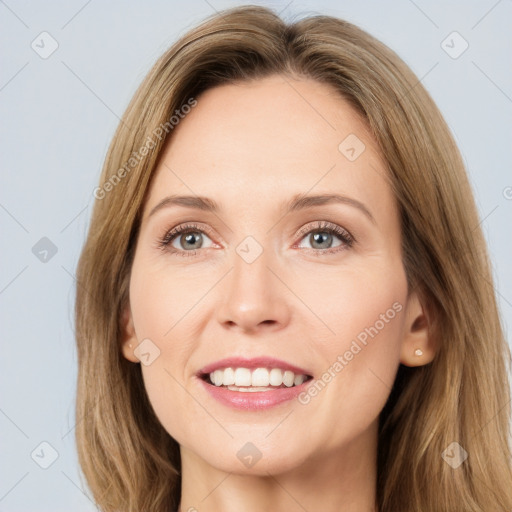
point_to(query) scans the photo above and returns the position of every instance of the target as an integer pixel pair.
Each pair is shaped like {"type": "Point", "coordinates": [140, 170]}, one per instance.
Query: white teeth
{"type": "Point", "coordinates": [229, 377]}
{"type": "Point", "coordinates": [276, 377]}
{"type": "Point", "coordinates": [259, 379]}
{"type": "Point", "coordinates": [298, 380]}
{"type": "Point", "coordinates": [248, 389]}
{"type": "Point", "coordinates": [288, 378]}
{"type": "Point", "coordinates": [242, 377]}
{"type": "Point", "coordinates": [218, 376]}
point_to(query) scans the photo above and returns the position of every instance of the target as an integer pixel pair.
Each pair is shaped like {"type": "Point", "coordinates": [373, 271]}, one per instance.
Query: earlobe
{"type": "Point", "coordinates": [128, 337]}
{"type": "Point", "coordinates": [418, 344]}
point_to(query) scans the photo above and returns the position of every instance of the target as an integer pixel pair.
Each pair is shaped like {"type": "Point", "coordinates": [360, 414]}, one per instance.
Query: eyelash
{"type": "Point", "coordinates": [322, 227]}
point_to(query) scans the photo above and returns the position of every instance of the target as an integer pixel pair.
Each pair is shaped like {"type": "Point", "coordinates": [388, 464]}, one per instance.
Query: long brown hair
{"type": "Point", "coordinates": [130, 462]}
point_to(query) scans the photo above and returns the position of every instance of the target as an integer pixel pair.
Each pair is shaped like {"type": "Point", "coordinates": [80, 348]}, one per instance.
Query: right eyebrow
{"type": "Point", "coordinates": [197, 202]}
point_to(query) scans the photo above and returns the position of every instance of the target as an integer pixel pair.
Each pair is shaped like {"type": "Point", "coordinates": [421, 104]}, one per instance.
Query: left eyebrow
{"type": "Point", "coordinates": [298, 202]}
{"type": "Point", "coordinates": [302, 202]}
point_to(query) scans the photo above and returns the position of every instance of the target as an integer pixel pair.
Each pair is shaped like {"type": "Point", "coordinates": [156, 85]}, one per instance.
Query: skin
{"type": "Point", "coordinates": [251, 147]}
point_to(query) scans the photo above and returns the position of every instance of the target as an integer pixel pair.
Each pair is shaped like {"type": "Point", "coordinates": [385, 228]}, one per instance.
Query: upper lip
{"type": "Point", "coordinates": [253, 362]}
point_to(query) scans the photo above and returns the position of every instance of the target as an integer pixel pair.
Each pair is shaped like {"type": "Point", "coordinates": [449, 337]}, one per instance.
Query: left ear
{"type": "Point", "coordinates": [418, 344]}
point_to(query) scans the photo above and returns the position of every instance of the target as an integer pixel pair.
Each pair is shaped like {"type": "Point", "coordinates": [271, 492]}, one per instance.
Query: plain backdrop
{"type": "Point", "coordinates": [58, 113]}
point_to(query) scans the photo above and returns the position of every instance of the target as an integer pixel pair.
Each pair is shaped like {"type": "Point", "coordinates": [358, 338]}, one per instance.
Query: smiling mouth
{"type": "Point", "coordinates": [255, 380]}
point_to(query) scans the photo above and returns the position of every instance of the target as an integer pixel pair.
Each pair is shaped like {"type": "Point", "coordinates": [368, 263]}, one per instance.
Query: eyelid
{"type": "Point", "coordinates": [347, 239]}
{"type": "Point", "coordinates": [329, 226]}
{"type": "Point", "coordinates": [184, 227]}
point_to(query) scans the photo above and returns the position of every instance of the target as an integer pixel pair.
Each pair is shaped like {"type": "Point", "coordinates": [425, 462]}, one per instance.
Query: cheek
{"type": "Point", "coordinates": [368, 313]}
{"type": "Point", "coordinates": [161, 298]}
{"type": "Point", "coordinates": [162, 304]}
{"type": "Point", "coordinates": [367, 316]}
{"type": "Point", "coordinates": [360, 303]}
{"type": "Point", "coordinates": [365, 311]}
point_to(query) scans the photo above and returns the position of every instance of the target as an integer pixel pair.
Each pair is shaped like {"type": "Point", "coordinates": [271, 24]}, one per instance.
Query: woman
{"type": "Point", "coordinates": [284, 298]}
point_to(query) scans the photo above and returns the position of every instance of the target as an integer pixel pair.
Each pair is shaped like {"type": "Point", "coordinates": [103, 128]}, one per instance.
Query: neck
{"type": "Point", "coordinates": [341, 480]}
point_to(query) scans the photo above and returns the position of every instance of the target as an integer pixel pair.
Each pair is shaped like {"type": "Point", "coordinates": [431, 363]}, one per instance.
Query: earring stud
{"type": "Point", "coordinates": [418, 352]}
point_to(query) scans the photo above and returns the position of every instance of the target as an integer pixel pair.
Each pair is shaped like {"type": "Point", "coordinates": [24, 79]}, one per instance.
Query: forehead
{"type": "Point", "coordinates": [270, 137]}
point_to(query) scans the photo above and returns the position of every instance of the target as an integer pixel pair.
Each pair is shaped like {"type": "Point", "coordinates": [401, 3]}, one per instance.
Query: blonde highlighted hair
{"type": "Point", "coordinates": [130, 462]}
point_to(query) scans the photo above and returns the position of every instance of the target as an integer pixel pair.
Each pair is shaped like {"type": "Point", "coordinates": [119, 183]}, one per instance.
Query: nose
{"type": "Point", "coordinates": [254, 297]}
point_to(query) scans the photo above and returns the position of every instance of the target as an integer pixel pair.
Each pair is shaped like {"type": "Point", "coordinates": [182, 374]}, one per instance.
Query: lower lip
{"type": "Point", "coordinates": [253, 400]}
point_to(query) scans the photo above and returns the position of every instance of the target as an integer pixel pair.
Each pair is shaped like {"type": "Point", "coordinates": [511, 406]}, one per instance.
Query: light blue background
{"type": "Point", "coordinates": [57, 118]}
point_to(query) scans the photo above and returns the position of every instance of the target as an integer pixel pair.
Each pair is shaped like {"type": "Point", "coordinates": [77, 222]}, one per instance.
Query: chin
{"type": "Point", "coordinates": [253, 454]}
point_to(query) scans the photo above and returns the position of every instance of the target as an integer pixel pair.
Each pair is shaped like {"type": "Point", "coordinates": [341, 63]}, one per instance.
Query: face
{"type": "Point", "coordinates": [296, 308]}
